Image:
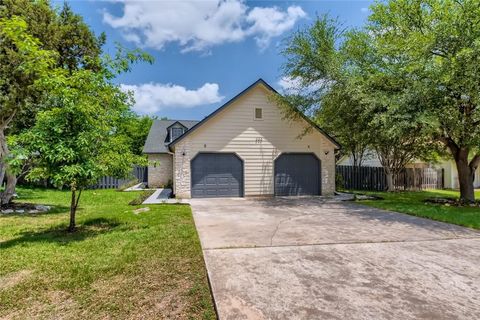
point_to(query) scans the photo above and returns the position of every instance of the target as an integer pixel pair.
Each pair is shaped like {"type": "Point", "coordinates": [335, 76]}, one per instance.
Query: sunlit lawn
{"type": "Point", "coordinates": [117, 265]}
{"type": "Point", "coordinates": [413, 203]}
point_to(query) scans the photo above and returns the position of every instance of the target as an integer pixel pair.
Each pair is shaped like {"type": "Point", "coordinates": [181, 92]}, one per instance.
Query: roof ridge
{"type": "Point", "coordinates": [175, 120]}
{"type": "Point", "coordinates": [232, 100]}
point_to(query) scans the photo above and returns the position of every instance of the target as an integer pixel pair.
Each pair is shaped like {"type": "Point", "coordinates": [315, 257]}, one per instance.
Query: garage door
{"type": "Point", "coordinates": [217, 175]}
{"type": "Point", "coordinates": [297, 174]}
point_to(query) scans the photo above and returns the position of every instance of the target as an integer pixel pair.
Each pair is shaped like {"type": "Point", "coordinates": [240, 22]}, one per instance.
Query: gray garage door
{"type": "Point", "coordinates": [217, 175]}
{"type": "Point", "coordinates": [297, 174]}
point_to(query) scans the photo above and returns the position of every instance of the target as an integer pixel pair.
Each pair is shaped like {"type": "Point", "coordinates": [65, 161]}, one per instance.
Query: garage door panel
{"type": "Point", "coordinates": [211, 181]}
{"type": "Point", "coordinates": [297, 174]}
{"type": "Point", "coordinates": [224, 181]}
{"type": "Point", "coordinates": [217, 175]}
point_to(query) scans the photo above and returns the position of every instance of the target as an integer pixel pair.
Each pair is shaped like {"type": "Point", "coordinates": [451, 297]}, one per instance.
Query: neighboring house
{"type": "Point", "coordinates": [450, 173]}
{"type": "Point", "coordinates": [244, 148]}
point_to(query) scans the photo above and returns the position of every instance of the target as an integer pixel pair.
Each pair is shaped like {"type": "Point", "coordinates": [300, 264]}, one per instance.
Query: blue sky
{"type": "Point", "coordinates": [205, 51]}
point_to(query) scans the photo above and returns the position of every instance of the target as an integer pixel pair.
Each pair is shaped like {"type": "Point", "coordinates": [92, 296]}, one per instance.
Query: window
{"type": "Point", "coordinates": [258, 114]}
{"type": "Point", "coordinates": [175, 133]}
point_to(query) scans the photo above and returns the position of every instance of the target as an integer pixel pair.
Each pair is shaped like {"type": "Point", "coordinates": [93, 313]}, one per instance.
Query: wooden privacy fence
{"type": "Point", "coordinates": [139, 173]}
{"type": "Point", "coordinates": [374, 178]}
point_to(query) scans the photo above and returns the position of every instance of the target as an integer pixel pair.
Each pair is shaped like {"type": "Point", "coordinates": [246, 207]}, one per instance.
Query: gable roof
{"type": "Point", "coordinates": [156, 139]}
{"type": "Point", "coordinates": [229, 102]}
{"type": "Point", "coordinates": [177, 121]}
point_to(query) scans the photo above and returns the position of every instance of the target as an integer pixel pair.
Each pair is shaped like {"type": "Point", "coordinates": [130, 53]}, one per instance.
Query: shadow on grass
{"type": "Point", "coordinates": [59, 234]}
{"type": "Point", "coordinates": [31, 192]}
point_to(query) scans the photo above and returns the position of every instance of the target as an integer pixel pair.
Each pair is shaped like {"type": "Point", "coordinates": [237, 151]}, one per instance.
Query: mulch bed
{"type": "Point", "coordinates": [16, 207]}
{"type": "Point", "coordinates": [451, 202]}
{"type": "Point", "coordinates": [360, 197]}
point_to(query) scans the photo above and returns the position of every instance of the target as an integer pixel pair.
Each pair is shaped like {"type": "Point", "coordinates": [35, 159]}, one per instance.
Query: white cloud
{"type": "Point", "coordinates": [288, 84]}
{"type": "Point", "coordinates": [199, 25]}
{"type": "Point", "coordinates": [270, 22]}
{"type": "Point", "coordinates": [291, 85]}
{"type": "Point", "coordinates": [153, 97]}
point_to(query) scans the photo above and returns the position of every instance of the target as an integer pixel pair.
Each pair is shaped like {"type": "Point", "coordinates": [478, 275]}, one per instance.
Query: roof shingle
{"type": "Point", "coordinates": [157, 135]}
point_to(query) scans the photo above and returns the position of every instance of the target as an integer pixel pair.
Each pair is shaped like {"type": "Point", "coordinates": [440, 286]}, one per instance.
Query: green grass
{"type": "Point", "coordinates": [413, 204]}
{"type": "Point", "coordinates": [117, 265]}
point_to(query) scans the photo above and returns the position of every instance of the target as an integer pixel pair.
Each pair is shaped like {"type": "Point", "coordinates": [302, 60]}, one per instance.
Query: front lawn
{"type": "Point", "coordinates": [413, 203]}
{"type": "Point", "coordinates": [117, 265]}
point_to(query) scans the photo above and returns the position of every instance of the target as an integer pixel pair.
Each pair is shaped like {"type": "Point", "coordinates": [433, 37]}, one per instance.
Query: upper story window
{"type": "Point", "coordinates": [175, 133]}
{"type": "Point", "coordinates": [258, 114]}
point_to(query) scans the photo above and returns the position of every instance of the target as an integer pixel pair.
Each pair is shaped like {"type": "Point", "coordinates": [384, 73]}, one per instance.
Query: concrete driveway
{"type": "Point", "coordinates": [305, 258]}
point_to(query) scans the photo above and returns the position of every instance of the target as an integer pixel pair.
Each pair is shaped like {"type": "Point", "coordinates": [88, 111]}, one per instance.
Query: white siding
{"type": "Point", "coordinates": [257, 142]}
{"type": "Point", "coordinates": [451, 175]}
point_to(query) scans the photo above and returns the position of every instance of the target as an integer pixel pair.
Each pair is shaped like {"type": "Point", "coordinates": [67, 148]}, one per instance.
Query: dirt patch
{"type": "Point", "coordinates": [12, 279]}
{"type": "Point", "coordinates": [51, 305]}
{"type": "Point", "coordinates": [150, 295]}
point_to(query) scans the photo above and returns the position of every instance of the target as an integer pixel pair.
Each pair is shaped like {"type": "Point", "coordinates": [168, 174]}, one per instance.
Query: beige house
{"type": "Point", "coordinates": [244, 148]}
{"type": "Point", "coordinates": [450, 173]}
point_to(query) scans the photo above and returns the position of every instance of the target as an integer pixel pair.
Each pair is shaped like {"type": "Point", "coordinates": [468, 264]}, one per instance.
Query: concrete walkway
{"type": "Point", "coordinates": [159, 196]}
{"type": "Point", "coordinates": [305, 258]}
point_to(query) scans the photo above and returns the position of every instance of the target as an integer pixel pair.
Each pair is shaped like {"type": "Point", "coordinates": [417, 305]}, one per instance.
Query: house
{"type": "Point", "coordinates": [450, 173]}
{"type": "Point", "coordinates": [244, 148]}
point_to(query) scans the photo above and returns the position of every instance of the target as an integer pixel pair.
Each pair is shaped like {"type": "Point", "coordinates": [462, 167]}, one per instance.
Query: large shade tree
{"type": "Point", "coordinates": [354, 94]}
{"type": "Point", "coordinates": [394, 129]}
{"type": "Point", "coordinates": [316, 66]}
{"type": "Point", "coordinates": [59, 31]}
{"type": "Point", "coordinates": [22, 63]}
{"type": "Point", "coordinates": [439, 46]}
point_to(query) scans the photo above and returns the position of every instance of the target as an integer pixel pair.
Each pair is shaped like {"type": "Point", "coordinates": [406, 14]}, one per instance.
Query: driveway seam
{"type": "Point", "coordinates": [341, 243]}
{"type": "Point", "coordinates": [281, 222]}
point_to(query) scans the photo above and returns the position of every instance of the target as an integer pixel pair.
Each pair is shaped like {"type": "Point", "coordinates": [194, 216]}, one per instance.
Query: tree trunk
{"type": "Point", "coordinates": [73, 209]}
{"type": "Point", "coordinates": [9, 192]}
{"type": "Point", "coordinates": [389, 176]}
{"type": "Point", "coordinates": [465, 169]}
{"type": "Point", "coordinates": [7, 195]}
{"type": "Point", "coordinates": [466, 175]}
{"type": "Point", "coordinates": [3, 155]}
{"type": "Point", "coordinates": [2, 173]}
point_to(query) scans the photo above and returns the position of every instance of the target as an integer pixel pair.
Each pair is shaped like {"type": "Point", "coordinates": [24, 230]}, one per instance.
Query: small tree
{"type": "Point", "coordinates": [397, 141]}
{"type": "Point", "coordinates": [75, 141]}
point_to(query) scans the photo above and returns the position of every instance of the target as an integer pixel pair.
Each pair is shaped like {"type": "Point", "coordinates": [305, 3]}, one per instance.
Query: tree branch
{"type": "Point", "coordinates": [450, 144]}
{"type": "Point", "coordinates": [6, 122]}
{"type": "Point", "coordinates": [78, 198]}
{"type": "Point", "coordinates": [475, 162]}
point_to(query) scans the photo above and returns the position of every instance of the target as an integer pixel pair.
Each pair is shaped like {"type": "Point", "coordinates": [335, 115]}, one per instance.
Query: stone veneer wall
{"type": "Point", "coordinates": [160, 170]}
